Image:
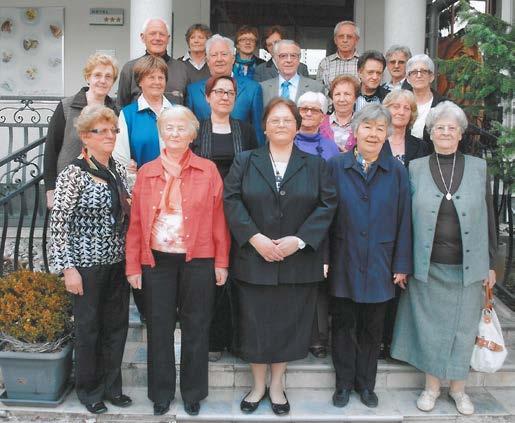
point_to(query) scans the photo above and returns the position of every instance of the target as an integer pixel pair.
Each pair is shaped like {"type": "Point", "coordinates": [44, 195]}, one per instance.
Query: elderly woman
{"type": "Point", "coordinates": [195, 59]}
{"type": "Point", "coordinates": [219, 139]}
{"type": "Point", "coordinates": [343, 93]}
{"type": "Point", "coordinates": [177, 249]}
{"type": "Point", "coordinates": [454, 248]}
{"type": "Point", "coordinates": [246, 61]}
{"type": "Point", "coordinates": [421, 73]}
{"type": "Point", "coordinates": [279, 203]}
{"type": "Point", "coordinates": [370, 251]}
{"type": "Point", "coordinates": [63, 143]}
{"type": "Point", "coordinates": [88, 225]}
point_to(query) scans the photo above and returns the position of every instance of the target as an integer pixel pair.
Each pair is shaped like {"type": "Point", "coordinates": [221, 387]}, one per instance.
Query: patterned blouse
{"type": "Point", "coordinates": [81, 224]}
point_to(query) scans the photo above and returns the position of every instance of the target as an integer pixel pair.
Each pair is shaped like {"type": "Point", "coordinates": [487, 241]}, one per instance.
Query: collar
{"type": "Point", "coordinates": [155, 167]}
{"type": "Point", "coordinates": [187, 58]}
{"type": "Point", "coordinates": [349, 160]}
{"type": "Point", "coordinates": [165, 56]}
{"type": "Point", "coordinates": [293, 81]}
{"type": "Point", "coordinates": [143, 104]}
{"type": "Point", "coordinates": [336, 56]}
{"type": "Point", "coordinates": [332, 119]}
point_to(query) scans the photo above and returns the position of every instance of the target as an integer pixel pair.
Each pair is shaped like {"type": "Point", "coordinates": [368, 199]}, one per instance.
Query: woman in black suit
{"type": "Point", "coordinates": [279, 203]}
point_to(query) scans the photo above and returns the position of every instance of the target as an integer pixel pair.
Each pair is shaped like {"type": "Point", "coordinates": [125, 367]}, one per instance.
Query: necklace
{"type": "Point", "coordinates": [278, 176]}
{"type": "Point", "coordinates": [448, 196]}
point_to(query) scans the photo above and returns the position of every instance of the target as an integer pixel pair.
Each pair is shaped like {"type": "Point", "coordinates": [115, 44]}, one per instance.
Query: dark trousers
{"type": "Point", "coordinates": [357, 329]}
{"type": "Point", "coordinates": [320, 329]}
{"type": "Point", "coordinates": [139, 300]}
{"type": "Point", "coordinates": [175, 289]}
{"type": "Point", "coordinates": [101, 322]}
{"type": "Point", "coordinates": [389, 318]}
{"type": "Point", "coordinates": [220, 332]}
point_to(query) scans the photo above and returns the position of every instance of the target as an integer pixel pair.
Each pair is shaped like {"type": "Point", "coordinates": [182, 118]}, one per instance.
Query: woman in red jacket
{"type": "Point", "coordinates": [178, 247]}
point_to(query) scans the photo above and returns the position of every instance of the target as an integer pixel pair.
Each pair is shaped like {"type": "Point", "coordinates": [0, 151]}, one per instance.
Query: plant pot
{"type": "Point", "coordinates": [36, 376]}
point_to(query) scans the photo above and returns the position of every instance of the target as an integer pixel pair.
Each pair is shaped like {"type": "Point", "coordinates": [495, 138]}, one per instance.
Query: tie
{"type": "Point", "coordinates": [285, 89]}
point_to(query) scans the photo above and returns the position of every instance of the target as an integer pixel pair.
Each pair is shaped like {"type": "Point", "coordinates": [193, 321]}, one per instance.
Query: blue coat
{"type": "Point", "coordinates": [370, 238]}
{"type": "Point", "coordinates": [248, 106]}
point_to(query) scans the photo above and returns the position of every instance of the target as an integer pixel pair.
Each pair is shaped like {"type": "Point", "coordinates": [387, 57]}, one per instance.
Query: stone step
{"type": "Point", "coordinates": [307, 405]}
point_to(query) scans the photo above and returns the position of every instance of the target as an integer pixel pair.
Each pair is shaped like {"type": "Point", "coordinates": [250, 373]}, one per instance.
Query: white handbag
{"type": "Point", "coordinates": [489, 351]}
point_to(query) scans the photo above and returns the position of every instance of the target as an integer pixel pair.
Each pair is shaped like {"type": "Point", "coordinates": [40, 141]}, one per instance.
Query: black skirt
{"type": "Point", "coordinates": [274, 321]}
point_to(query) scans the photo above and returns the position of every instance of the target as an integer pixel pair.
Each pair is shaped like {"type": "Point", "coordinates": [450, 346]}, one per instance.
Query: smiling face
{"type": "Point", "coordinates": [288, 60]}
{"type": "Point", "coordinates": [370, 75]}
{"type": "Point", "coordinates": [281, 126]}
{"type": "Point", "coordinates": [197, 42]}
{"type": "Point", "coordinates": [396, 65]}
{"type": "Point", "coordinates": [220, 59]}
{"type": "Point", "coordinates": [420, 77]}
{"type": "Point", "coordinates": [344, 97]}
{"type": "Point", "coordinates": [370, 137]}
{"type": "Point", "coordinates": [155, 37]}
{"type": "Point", "coordinates": [346, 40]}
{"type": "Point", "coordinates": [222, 97]}
{"type": "Point", "coordinates": [400, 110]}
{"type": "Point", "coordinates": [100, 144]}
{"type": "Point", "coordinates": [312, 116]}
{"type": "Point", "coordinates": [101, 80]}
{"type": "Point", "coordinates": [446, 134]}
{"type": "Point", "coordinates": [177, 134]}
{"type": "Point", "coordinates": [153, 84]}
{"type": "Point", "coordinates": [246, 43]}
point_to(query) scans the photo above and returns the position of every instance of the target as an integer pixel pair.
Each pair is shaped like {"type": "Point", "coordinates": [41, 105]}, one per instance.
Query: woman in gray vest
{"type": "Point", "coordinates": [454, 245]}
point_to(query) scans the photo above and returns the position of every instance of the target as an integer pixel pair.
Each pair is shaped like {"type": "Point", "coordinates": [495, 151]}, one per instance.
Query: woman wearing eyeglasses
{"type": "Point", "coordinates": [279, 203]}
{"type": "Point", "coordinates": [88, 225]}
{"type": "Point", "coordinates": [219, 139]}
{"type": "Point", "coordinates": [246, 61]}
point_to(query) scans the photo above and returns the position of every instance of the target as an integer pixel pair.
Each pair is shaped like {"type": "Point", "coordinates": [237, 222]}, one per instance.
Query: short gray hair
{"type": "Point", "coordinates": [147, 22]}
{"type": "Point", "coordinates": [179, 112]}
{"type": "Point", "coordinates": [420, 58]}
{"type": "Point", "coordinates": [446, 109]}
{"type": "Point", "coordinates": [398, 48]}
{"type": "Point", "coordinates": [280, 43]}
{"type": "Point", "coordinates": [217, 38]}
{"type": "Point", "coordinates": [351, 23]}
{"type": "Point", "coordinates": [313, 97]}
{"type": "Point", "coordinates": [372, 112]}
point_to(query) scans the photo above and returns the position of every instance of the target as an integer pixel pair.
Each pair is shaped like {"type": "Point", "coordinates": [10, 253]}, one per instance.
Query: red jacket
{"type": "Point", "coordinates": [207, 234]}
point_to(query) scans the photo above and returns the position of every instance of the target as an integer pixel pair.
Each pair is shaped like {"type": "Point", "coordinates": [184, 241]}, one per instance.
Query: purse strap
{"type": "Point", "coordinates": [489, 298]}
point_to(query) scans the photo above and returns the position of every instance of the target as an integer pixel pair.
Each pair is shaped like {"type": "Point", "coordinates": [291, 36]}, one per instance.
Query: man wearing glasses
{"type": "Point", "coordinates": [396, 58]}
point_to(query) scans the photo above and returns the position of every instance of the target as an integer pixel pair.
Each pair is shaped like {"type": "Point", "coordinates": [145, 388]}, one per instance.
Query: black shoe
{"type": "Point", "coordinates": [369, 398]}
{"type": "Point", "coordinates": [318, 352]}
{"type": "Point", "coordinates": [192, 408]}
{"type": "Point", "coordinates": [281, 409]}
{"type": "Point", "coordinates": [96, 408]}
{"type": "Point", "coordinates": [382, 352]}
{"type": "Point", "coordinates": [250, 407]}
{"type": "Point", "coordinates": [161, 408]}
{"type": "Point", "coordinates": [120, 401]}
{"type": "Point", "coordinates": [341, 397]}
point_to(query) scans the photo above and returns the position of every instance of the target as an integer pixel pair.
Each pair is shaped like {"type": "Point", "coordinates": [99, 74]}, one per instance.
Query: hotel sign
{"type": "Point", "coordinates": [103, 16]}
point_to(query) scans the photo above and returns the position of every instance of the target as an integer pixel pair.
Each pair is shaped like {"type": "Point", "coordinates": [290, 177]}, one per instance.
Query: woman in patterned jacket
{"type": "Point", "coordinates": [88, 224]}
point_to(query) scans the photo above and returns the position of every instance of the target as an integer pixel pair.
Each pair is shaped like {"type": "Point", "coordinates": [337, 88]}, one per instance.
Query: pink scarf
{"type": "Point", "coordinates": [172, 198]}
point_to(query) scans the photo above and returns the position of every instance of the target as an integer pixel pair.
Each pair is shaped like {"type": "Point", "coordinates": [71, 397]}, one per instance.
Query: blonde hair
{"type": "Point", "coordinates": [90, 115]}
{"type": "Point", "coordinates": [100, 59]}
{"type": "Point", "coordinates": [397, 94]}
{"type": "Point", "coordinates": [179, 112]}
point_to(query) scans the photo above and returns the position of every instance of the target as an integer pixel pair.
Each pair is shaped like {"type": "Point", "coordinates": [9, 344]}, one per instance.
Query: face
{"type": "Point", "coordinates": [312, 116]}
{"type": "Point", "coordinates": [101, 79]}
{"type": "Point", "coordinates": [156, 38]}
{"type": "Point", "coordinates": [197, 42]}
{"type": "Point", "coordinates": [370, 75]}
{"type": "Point", "coordinates": [220, 59]}
{"type": "Point", "coordinates": [270, 41]}
{"type": "Point", "coordinates": [288, 60]}
{"type": "Point", "coordinates": [246, 43]}
{"type": "Point", "coordinates": [371, 136]}
{"type": "Point", "coordinates": [281, 126]}
{"type": "Point", "coordinates": [346, 40]}
{"type": "Point", "coordinates": [446, 134]}
{"type": "Point", "coordinates": [401, 112]}
{"type": "Point", "coordinates": [101, 142]}
{"type": "Point", "coordinates": [177, 135]}
{"type": "Point", "coordinates": [153, 84]}
{"type": "Point", "coordinates": [396, 65]}
{"type": "Point", "coordinates": [420, 76]}
{"type": "Point", "coordinates": [344, 97]}
{"type": "Point", "coordinates": [222, 97]}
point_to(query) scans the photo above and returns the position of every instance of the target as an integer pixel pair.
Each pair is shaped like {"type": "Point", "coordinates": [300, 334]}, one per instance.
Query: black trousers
{"type": "Point", "coordinates": [175, 289]}
{"type": "Point", "coordinates": [389, 318]}
{"type": "Point", "coordinates": [320, 330]}
{"type": "Point", "coordinates": [101, 323]}
{"type": "Point", "coordinates": [139, 300]}
{"type": "Point", "coordinates": [221, 330]}
{"type": "Point", "coordinates": [357, 329]}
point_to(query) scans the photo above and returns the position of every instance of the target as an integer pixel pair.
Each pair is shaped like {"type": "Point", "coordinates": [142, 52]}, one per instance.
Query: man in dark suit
{"type": "Point", "coordinates": [248, 106]}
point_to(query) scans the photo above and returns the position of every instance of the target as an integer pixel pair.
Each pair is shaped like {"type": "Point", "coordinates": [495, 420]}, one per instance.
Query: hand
{"type": "Point", "coordinates": [135, 281]}
{"type": "Point", "coordinates": [73, 281]}
{"type": "Point", "coordinates": [132, 167]}
{"type": "Point", "coordinates": [266, 248]}
{"type": "Point", "coordinates": [400, 279]}
{"type": "Point", "coordinates": [288, 245]}
{"type": "Point", "coordinates": [326, 270]}
{"type": "Point", "coordinates": [221, 275]}
{"type": "Point", "coordinates": [490, 280]}
{"type": "Point", "coordinates": [50, 198]}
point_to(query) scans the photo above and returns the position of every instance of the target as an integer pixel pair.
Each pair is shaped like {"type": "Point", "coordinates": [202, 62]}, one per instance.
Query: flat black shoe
{"type": "Point", "coordinates": [161, 408]}
{"type": "Point", "coordinates": [318, 352]}
{"type": "Point", "coordinates": [192, 408]}
{"type": "Point", "coordinates": [341, 397]}
{"type": "Point", "coordinates": [120, 401]}
{"type": "Point", "coordinates": [250, 407]}
{"type": "Point", "coordinates": [369, 398]}
{"type": "Point", "coordinates": [281, 409]}
{"type": "Point", "coordinates": [96, 408]}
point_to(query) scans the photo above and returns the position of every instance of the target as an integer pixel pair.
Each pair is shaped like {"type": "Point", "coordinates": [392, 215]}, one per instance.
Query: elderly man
{"type": "Point", "coordinates": [345, 60]}
{"type": "Point", "coordinates": [371, 65]}
{"type": "Point", "coordinates": [288, 84]}
{"type": "Point", "coordinates": [248, 105]}
{"type": "Point", "coordinates": [155, 35]}
{"type": "Point", "coordinates": [396, 58]}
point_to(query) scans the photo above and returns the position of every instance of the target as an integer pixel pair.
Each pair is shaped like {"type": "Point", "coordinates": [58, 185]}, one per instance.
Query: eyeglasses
{"type": "Point", "coordinates": [292, 56]}
{"type": "Point", "coordinates": [277, 121]}
{"type": "Point", "coordinates": [423, 72]}
{"type": "Point", "coordinates": [105, 131]}
{"type": "Point", "coordinates": [442, 128]}
{"type": "Point", "coordinates": [313, 110]}
{"type": "Point", "coordinates": [246, 40]}
{"type": "Point", "coordinates": [219, 92]}
{"type": "Point", "coordinates": [223, 54]}
{"type": "Point", "coordinates": [397, 62]}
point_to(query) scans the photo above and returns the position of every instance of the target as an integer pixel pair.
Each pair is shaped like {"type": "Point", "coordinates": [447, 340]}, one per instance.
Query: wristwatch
{"type": "Point", "coordinates": [302, 244]}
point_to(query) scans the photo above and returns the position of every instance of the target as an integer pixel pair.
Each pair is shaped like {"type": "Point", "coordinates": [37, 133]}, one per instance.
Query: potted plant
{"type": "Point", "coordinates": [35, 338]}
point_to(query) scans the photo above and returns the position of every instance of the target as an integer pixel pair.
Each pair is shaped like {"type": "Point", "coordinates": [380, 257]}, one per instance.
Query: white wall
{"type": "Point", "coordinates": [186, 13]}
{"type": "Point", "coordinates": [369, 16]}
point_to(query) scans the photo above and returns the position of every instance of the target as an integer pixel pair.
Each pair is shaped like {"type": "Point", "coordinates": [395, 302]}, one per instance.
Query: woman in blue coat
{"type": "Point", "coordinates": [370, 251]}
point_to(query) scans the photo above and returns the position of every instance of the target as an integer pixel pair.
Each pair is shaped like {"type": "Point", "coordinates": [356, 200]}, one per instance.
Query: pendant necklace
{"type": "Point", "coordinates": [448, 196]}
{"type": "Point", "coordinates": [278, 177]}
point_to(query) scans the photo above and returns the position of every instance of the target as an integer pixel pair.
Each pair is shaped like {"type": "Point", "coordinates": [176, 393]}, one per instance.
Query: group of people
{"type": "Point", "coordinates": [261, 210]}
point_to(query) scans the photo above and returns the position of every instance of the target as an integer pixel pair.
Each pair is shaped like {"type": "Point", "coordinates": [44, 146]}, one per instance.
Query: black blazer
{"type": "Point", "coordinates": [414, 148]}
{"type": "Point", "coordinates": [304, 206]}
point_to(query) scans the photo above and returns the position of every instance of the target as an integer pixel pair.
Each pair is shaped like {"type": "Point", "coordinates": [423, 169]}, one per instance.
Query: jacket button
{"type": "Point", "coordinates": [467, 251]}
{"type": "Point", "coordinates": [363, 233]}
{"type": "Point", "coordinates": [466, 267]}
{"type": "Point", "coordinates": [185, 217]}
{"type": "Point", "coordinates": [364, 198]}
{"type": "Point", "coordinates": [463, 214]}
{"type": "Point", "coordinates": [433, 211]}
{"type": "Point", "coordinates": [281, 215]}
{"type": "Point", "coordinates": [466, 233]}
{"type": "Point", "coordinates": [282, 192]}
{"type": "Point", "coordinates": [457, 197]}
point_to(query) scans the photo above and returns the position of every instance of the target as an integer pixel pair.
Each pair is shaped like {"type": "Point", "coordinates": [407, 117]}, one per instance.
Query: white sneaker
{"type": "Point", "coordinates": [463, 403]}
{"type": "Point", "coordinates": [426, 400]}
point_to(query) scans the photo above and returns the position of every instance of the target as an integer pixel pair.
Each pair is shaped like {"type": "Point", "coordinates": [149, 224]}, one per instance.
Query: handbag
{"type": "Point", "coordinates": [489, 350]}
